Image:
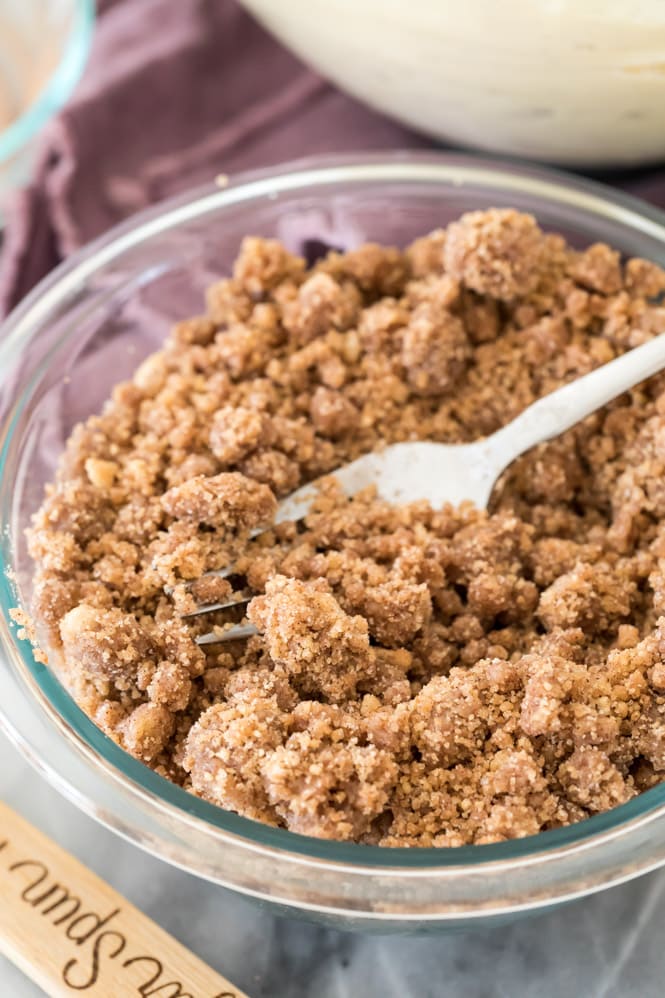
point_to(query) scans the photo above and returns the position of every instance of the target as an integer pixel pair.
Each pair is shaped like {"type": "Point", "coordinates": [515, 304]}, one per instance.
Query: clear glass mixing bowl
{"type": "Point", "coordinates": [90, 324]}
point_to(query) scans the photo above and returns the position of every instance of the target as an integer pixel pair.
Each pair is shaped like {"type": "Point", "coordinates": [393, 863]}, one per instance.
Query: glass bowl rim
{"type": "Point", "coordinates": [58, 87]}
{"type": "Point", "coordinates": [99, 750]}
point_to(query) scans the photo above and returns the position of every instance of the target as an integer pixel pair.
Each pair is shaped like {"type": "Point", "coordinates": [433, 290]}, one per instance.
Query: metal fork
{"type": "Point", "coordinates": [451, 473]}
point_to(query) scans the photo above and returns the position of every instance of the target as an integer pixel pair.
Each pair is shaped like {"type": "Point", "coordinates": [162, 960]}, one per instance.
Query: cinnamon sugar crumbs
{"type": "Point", "coordinates": [420, 677]}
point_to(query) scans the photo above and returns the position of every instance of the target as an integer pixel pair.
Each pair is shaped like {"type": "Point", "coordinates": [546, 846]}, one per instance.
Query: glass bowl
{"type": "Point", "coordinates": [44, 45]}
{"type": "Point", "coordinates": [88, 325]}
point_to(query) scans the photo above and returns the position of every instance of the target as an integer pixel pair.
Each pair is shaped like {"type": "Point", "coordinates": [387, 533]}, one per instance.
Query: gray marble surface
{"type": "Point", "coordinates": [607, 946]}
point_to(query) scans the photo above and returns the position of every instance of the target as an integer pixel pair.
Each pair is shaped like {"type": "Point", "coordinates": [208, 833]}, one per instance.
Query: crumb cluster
{"type": "Point", "coordinates": [420, 677]}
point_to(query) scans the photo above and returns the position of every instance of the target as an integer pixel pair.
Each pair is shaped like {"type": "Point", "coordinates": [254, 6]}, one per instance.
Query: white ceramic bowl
{"type": "Point", "coordinates": [577, 82]}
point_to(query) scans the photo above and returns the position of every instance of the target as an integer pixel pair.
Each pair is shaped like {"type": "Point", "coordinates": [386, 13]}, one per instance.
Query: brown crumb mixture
{"type": "Point", "coordinates": [420, 677]}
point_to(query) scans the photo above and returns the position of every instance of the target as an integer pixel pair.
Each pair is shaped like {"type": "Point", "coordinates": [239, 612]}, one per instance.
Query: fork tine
{"type": "Point", "coordinates": [225, 573]}
{"type": "Point", "coordinates": [209, 607]}
{"type": "Point", "coordinates": [235, 633]}
{"type": "Point", "coordinates": [294, 509]}
{"type": "Point", "coordinates": [221, 573]}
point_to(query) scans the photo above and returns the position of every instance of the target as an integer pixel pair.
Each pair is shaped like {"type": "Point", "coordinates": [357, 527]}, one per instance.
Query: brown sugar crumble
{"type": "Point", "coordinates": [420, 677]}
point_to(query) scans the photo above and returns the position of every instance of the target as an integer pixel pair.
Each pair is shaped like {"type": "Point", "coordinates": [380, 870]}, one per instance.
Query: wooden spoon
{"type": "Point", "coordinates": [72, 933]}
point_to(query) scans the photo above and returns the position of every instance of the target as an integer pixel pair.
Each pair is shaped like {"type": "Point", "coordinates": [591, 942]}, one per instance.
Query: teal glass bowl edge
{"type": "Point", "coordinates": [59, 86]}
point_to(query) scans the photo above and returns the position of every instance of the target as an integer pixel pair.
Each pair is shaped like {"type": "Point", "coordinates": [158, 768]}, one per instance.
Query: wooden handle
{"type": "Point", "coordinates": [73, 934]}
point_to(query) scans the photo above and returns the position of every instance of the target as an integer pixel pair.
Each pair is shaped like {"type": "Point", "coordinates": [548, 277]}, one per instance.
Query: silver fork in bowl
{"type": "Point", "coordinates": [451, 473]}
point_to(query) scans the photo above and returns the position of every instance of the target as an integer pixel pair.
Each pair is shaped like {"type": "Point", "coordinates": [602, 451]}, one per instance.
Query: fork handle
{"type": "Point", "coordinates": [557, 412]}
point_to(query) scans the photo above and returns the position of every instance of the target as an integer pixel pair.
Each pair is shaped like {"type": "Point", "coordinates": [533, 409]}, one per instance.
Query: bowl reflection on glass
{"type": "Point", "coordinates": [89, 325]}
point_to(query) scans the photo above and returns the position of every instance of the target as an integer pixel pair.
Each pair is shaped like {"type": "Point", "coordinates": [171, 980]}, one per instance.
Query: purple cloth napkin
{"type": "Point", "coordinates": [175, 93]}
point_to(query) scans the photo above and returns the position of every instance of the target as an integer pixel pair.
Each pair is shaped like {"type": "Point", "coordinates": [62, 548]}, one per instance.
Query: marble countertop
{"type": "Point", "coordinates": [606, 946]}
